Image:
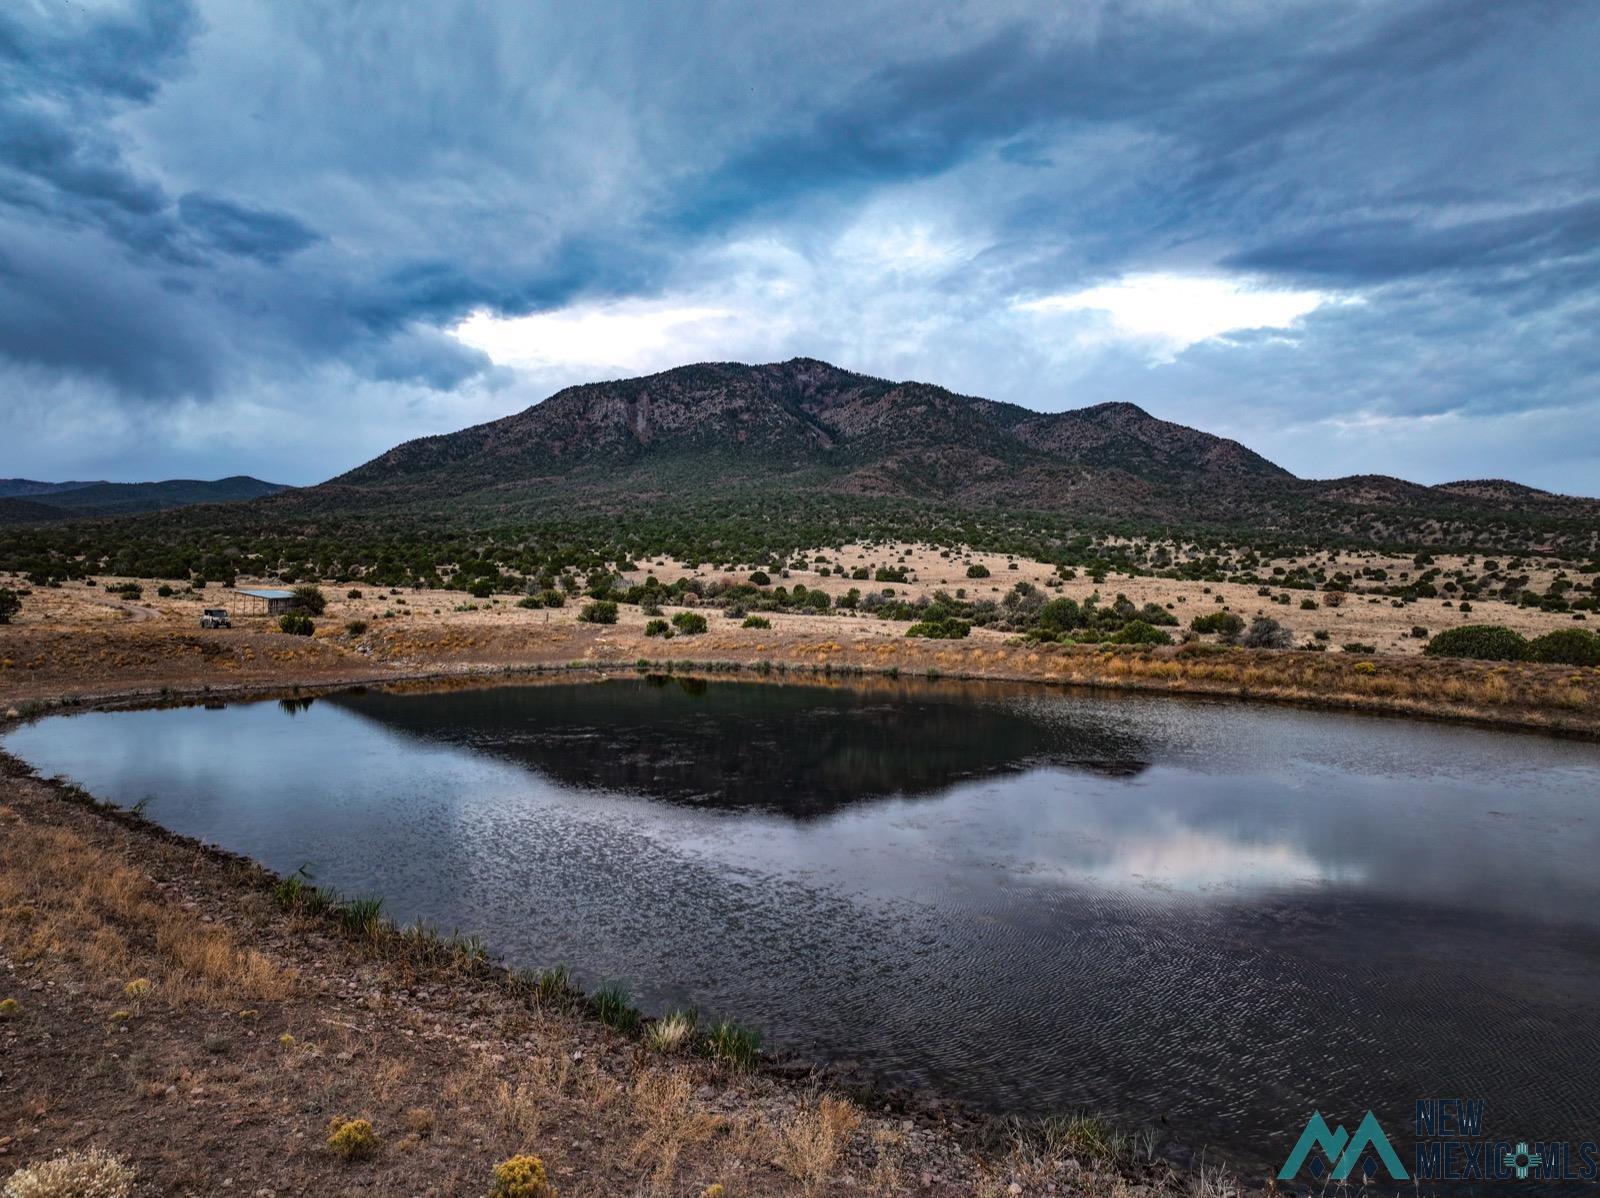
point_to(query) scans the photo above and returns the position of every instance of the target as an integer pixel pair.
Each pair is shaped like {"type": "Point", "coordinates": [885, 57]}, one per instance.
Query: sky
{"type": "Point", "coordinates": [278, 239]}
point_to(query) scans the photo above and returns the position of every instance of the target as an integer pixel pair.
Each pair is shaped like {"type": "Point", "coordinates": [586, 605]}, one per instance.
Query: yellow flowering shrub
{"type": "Point", "coordinates": [522, 1176]}
{"type": "Point", "coordinates": [352, 1139]}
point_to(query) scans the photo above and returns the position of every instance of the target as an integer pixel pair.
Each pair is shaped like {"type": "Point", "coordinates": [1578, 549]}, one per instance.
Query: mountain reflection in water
{"type": "Point", "coordinates": [801, 751]}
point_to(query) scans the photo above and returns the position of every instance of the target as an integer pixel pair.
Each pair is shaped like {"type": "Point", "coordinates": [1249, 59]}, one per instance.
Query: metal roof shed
{"type": "Point", "coordinates": [278, 602]}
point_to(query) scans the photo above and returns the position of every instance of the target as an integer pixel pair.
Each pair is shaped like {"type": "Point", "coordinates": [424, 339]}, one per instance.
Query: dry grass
{"type": "Point", "coordinates": [672, 1122]}
{"type": "Point", "coordinates": [671, 1033]}
{"type": "Point", "coordinates": [91, 1174]}
{"type": "Point", "coordinates": [810, 1144]}
{"type": "Point", "coordinates": [60, 894]}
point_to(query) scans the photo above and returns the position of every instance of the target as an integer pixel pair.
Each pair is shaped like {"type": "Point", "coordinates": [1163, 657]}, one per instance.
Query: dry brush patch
{"type": "Point", "coordinates": [61, 895]}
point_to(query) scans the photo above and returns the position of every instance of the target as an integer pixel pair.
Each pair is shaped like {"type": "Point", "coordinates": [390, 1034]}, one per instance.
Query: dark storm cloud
{"type": "Point", "coordinates": [70, 305]}
{"type": "Point", "coordinates": [238, 229]}
{"type": "Point", "coordinates": [258, 207]}
{"type": "Point", "coordinates": [1384, 250]}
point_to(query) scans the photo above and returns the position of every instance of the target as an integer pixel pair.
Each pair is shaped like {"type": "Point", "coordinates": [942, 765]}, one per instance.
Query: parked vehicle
{"type": "Point", "coordinates": [215, 617]}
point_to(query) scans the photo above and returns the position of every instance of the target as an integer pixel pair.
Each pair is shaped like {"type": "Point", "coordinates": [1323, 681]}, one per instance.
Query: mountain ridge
{"type": "Point", "coordinates": [804, 414]}
{"type": "Point", "coordinates": [28, 499]}
{"type": "Point", "coordinates": [805, 423]}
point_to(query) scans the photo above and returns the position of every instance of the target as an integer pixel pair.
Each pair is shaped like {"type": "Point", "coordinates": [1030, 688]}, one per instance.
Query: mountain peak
{"type": "Point", "coordinates": [727, 423]}
{"type": "Point", "coordinates": [1119, 409]}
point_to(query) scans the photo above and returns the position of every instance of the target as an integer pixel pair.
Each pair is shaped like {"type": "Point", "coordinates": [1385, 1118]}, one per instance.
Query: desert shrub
{"type": "Point", "coordinates": [309, 600]}
{"type": "Point", "coordinates": [552, 598]}
{"type": "Point", "coordinates": [1482, 642]}
{"type": "Point", "coordinates": [1308, 605]}
{"type": "Point", "coordinates": [1418, 632]}
{"type": "Point", "coordinates": [944, 630]}
{"type": "Point", "coordinates": [128, 590]}
{"type": "Point", "coordinates": [760, 578]}
{"type": "Point", "coordinates": [689, 623]}
{"type": "Point", "coordinates": [1225, 624]}
{"type": "Point", "coordinates": [1138, 632]}
{"type": "Point", "coordinates": [1365, 667]}
{"type": "Point", "coordinates": [10, 604]}
{"type": "Point", "coordinates": [601, 611]}
{"type": "Point", "coordinates": [523, 1176]}
{"type": "Point", "coordinates": [977, 570]}
{"type": "Point", "coordinates": [530, 601]}
{"type": "Point", "coordinates": [481, 588]}
{"type": "Point", "coordinates": [1358, 647]}
{"type": "Point", "coordinates": [164, 591]}
{"type": "Point", "coordinates": [296, 624]}
{"type": "Point", "coordinates": [757, 622]}
{"type": "Point", "coordinates": [352, 1139]}
{"type": "Point", "coordinates": [658, 628]}
{"type": "Point", "coordinates": [1266, 633]}
{"type": "Point", "coordinates": [1566, 646]}
{"type": "Point", "coordinates": [356, 627]}
{"type": "Point", "coordinates": [92, 1174]}
{"type": "Point", "coordinates": [1060, 615]}
{"type": "Point", "coordinates": [10, 1008]}
{"type": "Point", "coordinates": [352, 593]}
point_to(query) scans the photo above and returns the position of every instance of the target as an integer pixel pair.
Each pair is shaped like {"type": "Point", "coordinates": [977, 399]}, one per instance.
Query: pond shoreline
{"type": "Point", "coordinates": [951, 1149]}
{"type": "Point", "coordinates": [1580, 723]}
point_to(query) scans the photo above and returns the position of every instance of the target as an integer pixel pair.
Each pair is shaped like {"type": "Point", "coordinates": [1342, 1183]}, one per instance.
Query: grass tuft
{"type": "Point", "coordinates": [734, 1045]}
{"type": "Point", "coordinates": [612, 1008]}
{"type": "Point", "coordinates": [361, 916]}
{"type": "Point", "coordinates": [672, 1033]}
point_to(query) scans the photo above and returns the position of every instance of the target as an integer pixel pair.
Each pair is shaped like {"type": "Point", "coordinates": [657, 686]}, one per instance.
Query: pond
{"type": "Point", "coordinates": [1211, 918]}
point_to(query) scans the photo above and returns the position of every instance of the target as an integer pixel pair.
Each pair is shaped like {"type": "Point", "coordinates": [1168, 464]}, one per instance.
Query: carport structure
{"type": "Point", "coordinates": [259, 601]}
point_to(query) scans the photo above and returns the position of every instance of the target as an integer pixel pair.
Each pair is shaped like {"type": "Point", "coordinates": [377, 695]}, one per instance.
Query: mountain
{"type": "Point", "coordinates": [24, 488]}
{"type": "Point", "coordinates": [721, 429]}
{"type": "Point", "coordinates": [25, 500]}
{"type": "Point", "coordinates": [28, 511]}
{"type": "Point", "coordinates": [727, 424]}
{"type": "Point", "coordinates": [750, 444]}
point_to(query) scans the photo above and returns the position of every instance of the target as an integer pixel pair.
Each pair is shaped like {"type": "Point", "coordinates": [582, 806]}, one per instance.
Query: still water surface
{"type": "Point", "coordinates": [1205, 916]}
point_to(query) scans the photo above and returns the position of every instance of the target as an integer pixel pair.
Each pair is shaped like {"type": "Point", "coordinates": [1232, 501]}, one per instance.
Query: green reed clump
{"type": "Point", "coordinates": [733, 1045]}
{"type": "Point", "coordinates": [612, 1008]}
{"type": "Point", "coordinates": [552, 988]}
{"type": "Point", "coordinates": [297, 893]}
{"type": "Point", "coordinates": [361, 916]}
